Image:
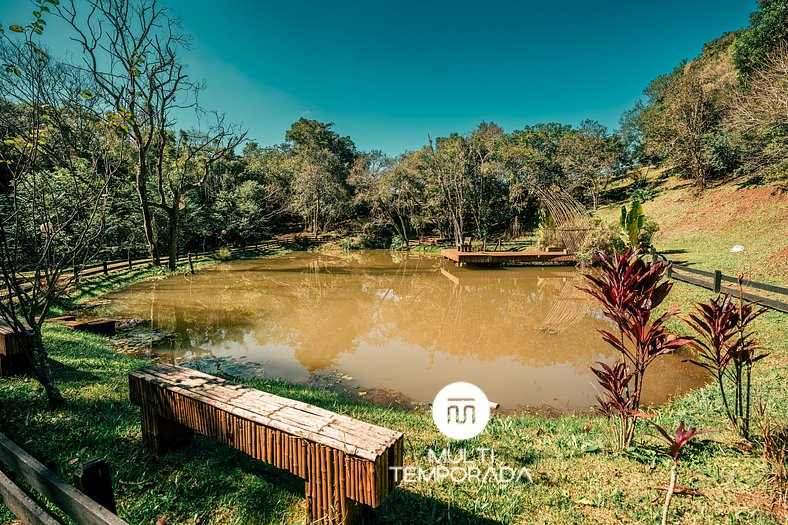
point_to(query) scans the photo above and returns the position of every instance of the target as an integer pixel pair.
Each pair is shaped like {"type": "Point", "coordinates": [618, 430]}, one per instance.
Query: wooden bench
{"type": "Point", "coordinates": [101, 325]}
{"type": "Point", "coordinates": [15, 350]}
{"type": "Point", "coordinates": [344, 461]}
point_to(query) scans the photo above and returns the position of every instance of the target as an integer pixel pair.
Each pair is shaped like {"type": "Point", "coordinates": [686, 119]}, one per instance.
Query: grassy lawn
{"type": "Point", "coordinates": [575, 478]}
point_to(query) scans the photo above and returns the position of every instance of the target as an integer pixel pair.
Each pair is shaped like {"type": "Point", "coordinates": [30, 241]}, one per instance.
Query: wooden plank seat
{"type": "Point", "coordinates": [344, 461]}
{"type": "Point", "coordinates": [15, 350]}
{"type": "Point", "coordinates": [101, 325]}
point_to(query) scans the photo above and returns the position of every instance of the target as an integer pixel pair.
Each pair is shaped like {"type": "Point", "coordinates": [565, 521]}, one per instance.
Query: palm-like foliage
{"type": "Point", "coordinates": [629, 288]}
{"type": "Point", "coordinates": [727, 349]}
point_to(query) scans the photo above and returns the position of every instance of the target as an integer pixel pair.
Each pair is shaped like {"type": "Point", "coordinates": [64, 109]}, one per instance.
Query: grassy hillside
{"type": "Point", "coordinates": [700, 230]}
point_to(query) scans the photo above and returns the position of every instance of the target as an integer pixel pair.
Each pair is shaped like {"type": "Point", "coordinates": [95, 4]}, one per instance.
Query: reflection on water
{"type": "Point", "coordinates": [401, 322]}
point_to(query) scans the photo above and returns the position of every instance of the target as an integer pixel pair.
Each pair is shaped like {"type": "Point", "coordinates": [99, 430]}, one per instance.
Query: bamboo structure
{"type": "Point", "coordinates": [345, 462]}
{"type": "Point", "coordinates": [573, 222]}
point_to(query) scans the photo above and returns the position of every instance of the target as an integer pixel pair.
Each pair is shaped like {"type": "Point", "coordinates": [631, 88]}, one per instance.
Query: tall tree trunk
{"type": "Point", "coordinates": [172, 239]}
{"type": "Point", "coordinates": [43, 371]}
{"type": "Point", "coordinates": [147, 222]}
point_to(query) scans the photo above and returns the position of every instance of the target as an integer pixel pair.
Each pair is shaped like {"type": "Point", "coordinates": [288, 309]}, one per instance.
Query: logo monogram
{"type": "Point", "coordinates": [461, 410]}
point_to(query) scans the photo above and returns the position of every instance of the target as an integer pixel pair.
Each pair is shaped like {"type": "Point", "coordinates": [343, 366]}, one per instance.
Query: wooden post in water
{"type": "Point", "coordinates": [94, 480]}
{"type": "Point", "coordinates": [717, 281]}
{"type": "Point", "coordinates": [191, 265]}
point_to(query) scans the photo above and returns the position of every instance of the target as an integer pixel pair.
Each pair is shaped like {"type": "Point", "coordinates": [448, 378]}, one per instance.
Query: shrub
{"type": "Point", "coordinates": [605, 238]}
{"type": "Point", "coordinates": [641, 192]}
{"type": "Point", "coordinates": [548, 232]}
{"type": "Point", "coordinates": [224, 254]}
{"type": "Point", "coordinates": [360, 242]}
{"type": "Point", "coordinates": [647, 232]}
{"type": "Point", "coordinates": [398, 244]}
{"type": "Point", "coordinates": [629, 288]}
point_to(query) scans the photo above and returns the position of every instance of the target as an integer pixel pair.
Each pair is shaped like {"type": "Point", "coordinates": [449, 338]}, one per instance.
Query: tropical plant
{"type": "Point", "coordinates": [727, 349]}
{"type": "Point", "coordinates": [616, 403]}
{"type": "Point", "coordinates": [631, 222]}
{"type": "Point", "coordinates": [629, 288]}
{"type": "Point", "coordinates": [675, 442]}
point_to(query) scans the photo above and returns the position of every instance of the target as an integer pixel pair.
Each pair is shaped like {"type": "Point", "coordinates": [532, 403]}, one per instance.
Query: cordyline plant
{"type": "Point", "coordinates": [675, 442]}
{"type": "Point", "coordinates": [727, 349]}
{"type": "Point", "coordinates": [629, 288]}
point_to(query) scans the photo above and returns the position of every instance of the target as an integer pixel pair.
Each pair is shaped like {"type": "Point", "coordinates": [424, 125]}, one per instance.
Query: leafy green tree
{"type": "Point", "coordinates": [589, 157]}
{"type": "Point", "coordinates": [768, 30]}
{"type": "Point", "coordinates": [59, 157]}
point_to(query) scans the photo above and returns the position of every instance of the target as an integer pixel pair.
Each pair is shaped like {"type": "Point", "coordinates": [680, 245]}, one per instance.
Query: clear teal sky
{"type": "Point", "coordinates": [390, 73]}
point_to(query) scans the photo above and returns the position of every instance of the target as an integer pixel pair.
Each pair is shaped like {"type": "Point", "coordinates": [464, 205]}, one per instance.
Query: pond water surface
{"type": "Point", "coordinates": [379, 321]}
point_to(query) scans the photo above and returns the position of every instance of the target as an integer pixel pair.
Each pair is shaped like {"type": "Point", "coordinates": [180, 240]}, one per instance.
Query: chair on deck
{"type": "Point", "coordinates": [465, 245]}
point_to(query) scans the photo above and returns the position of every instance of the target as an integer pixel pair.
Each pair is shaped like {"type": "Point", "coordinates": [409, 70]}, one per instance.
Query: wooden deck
{"type": "Point", "coordinates": [344, 461]}
{"type": "Point", "coordinates": [503, 258]}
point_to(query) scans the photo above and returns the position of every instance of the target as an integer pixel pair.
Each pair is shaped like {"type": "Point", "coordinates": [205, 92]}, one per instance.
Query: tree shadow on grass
{"type": "Point", "coordinates": [74, 374]}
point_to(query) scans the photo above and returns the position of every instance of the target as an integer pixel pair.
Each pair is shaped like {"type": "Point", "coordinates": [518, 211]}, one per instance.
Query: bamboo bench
{"type": "Point", "coordinates": [345, 462]}
{"type": "Point", "coordinates": [15, 350]}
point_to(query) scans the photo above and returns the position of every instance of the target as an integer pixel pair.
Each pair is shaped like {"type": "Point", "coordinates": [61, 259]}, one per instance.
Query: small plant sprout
{"type": "Point", "coordinates": [727, 349]}
{"type": "Point", "coordinates": [675, 442]}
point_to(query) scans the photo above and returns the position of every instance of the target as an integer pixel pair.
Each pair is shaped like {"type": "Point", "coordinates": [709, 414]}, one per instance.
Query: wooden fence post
{"type": "Point", "coordinates": [191, 266]}
{"type": "Point", "coordinates": [76, 274]}
{"type": "Point", "coordinates": [717, 281]}
{"type": "Point", "coordinates": [670, 271]}
{"type": "Point", "coordinates": [129, 260]}
{"type": "Point", "coordinates": [104, 264]}
{"type": "Point", "coordinates": [93, 479]}
{"type": "Point", "coordinates": [654, 255]}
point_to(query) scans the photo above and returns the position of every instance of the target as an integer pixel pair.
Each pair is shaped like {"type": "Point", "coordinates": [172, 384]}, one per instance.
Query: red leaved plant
{"type": "Point", "coordinates": [727, 349]}
{"type": "Point", "coordinates": [629, 288]}
{"type": "Point", "coordinates": [675, 442]}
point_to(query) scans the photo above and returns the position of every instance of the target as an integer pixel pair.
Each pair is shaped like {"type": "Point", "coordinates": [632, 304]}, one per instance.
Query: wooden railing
{"type": "Point", "coordinates": [106, 267]}
{"type": "Point", "coordinates": [713, 281]}
{"type": "Point", "coordinates": [73, 502]}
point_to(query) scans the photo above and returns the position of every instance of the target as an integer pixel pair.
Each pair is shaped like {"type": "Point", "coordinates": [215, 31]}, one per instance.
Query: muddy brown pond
{"type": "Point", "coordinates": [382, 321]}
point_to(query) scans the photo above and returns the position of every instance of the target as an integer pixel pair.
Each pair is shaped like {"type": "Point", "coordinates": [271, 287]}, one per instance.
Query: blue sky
{"type": "Point", "coordinates": [389, 74]}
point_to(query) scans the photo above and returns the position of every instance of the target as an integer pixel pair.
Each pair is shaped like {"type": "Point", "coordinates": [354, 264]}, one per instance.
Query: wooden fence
{"type": "Point", "coordinates": [106, 267]}
{"type": "Point", "coordinates": [714, 281]}
{"type": "Point", "coordinates": [73, 502]}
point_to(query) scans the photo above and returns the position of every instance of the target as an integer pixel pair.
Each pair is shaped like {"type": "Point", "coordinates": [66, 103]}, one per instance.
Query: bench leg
{"type": "Point", "coordinates": [162, 434]}
{"type": "Point", "coordinates": [325, 489]}
{"type": "Point", "coordinates": [325, 508]}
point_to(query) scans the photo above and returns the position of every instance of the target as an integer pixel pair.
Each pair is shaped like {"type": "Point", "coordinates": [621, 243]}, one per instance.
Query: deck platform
{"type": "Point", "coordinates": [504, 258]}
